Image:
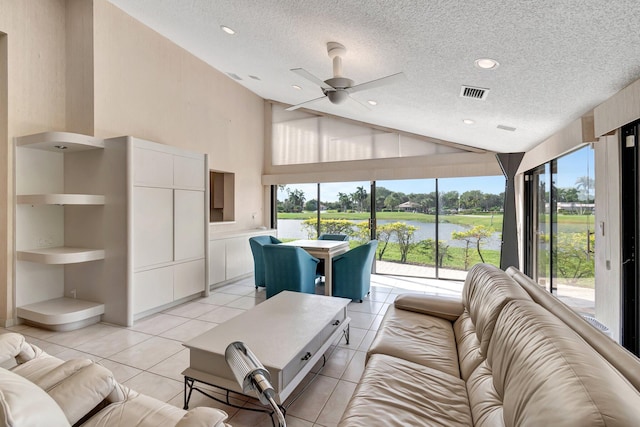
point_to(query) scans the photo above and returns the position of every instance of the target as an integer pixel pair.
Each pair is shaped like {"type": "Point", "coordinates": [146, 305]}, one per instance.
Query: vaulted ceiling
{"type": "Point", "coordinates": [558, 59]}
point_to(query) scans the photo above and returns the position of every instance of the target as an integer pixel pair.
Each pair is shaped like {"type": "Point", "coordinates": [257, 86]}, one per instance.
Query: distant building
{"type": "Point", "coordinates": [409, 206]}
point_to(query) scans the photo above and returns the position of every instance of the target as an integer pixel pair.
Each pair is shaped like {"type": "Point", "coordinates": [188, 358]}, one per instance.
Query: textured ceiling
{"type": "Point", "coordinates": [558, 58]}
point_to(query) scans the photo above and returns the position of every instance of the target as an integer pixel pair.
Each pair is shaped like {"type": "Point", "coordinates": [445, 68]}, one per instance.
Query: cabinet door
{"type": "Point", "coordinates": [217, 261]}
{"type": "Point", "coordinates": [152, 226]}
{"type": "Point", "coordinates": [152, 288]}
{"type": "Point", "coordinates": [152, 168]}
{"type": "Point", "coordinates": [188, 172]}
{"type": "Point", "coordinates": [239, 258]}
{"type": "Point", "coordinates": [189, 224]}
{"type": "Point", "coordinates": [188, 279]}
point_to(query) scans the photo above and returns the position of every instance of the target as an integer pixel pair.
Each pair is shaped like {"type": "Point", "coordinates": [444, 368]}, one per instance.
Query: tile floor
{"type": "Point", "coordinates": [149, 356]}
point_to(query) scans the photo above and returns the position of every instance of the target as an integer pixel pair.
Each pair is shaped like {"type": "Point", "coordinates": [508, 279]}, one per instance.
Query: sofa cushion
{"type": "Point", "coordinates": [446, 307]}
{"type": "Point", "coordinates": [77, 385]}
{"type": "Point", "coordinates": [24, 404]}
{"type": "Point", "coordinates": [548, 375]}
{"type": "Point", "coordinates": [486, 291]}
{"type": "Point", "coordinates": [396, 392]}
{"type": "Point", "coordinates": [419, 338]}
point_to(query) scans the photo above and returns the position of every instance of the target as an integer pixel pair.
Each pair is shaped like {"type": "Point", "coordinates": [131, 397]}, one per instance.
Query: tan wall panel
{"type": "Point", "coordinates": [437, 166]}
{"type": "Point", "coordinates": [617, 111]}
{"type": "Point", "coordinates": [567, 139]}
{"type": "Point", "coordinates": [79, 75]}
{"type": "Point", "coordinates": [148, 87]}
{"type": "Point", "coordinates": [35, 81]}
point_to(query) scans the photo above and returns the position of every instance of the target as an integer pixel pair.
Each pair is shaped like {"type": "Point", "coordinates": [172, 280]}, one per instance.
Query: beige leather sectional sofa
{"type": "Point", "coordinates": [42, 390]}
{"type": "Point", "coordinates": [506, 354]}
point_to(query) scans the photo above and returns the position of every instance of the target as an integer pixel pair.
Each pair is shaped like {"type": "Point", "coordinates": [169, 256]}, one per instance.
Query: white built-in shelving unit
{"type": "Point", "coordinates": [53, 197]}
{"type": "Point", "coordinates": [111, 229]}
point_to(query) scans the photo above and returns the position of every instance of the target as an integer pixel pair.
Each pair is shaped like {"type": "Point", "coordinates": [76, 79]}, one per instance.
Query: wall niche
{"type": "Point", "coordinates": [222, 203]}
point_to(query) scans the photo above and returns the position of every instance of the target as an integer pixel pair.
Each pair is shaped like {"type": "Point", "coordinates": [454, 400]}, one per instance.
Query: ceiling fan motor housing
{"type": "Point", "coordinates": [337, 96]}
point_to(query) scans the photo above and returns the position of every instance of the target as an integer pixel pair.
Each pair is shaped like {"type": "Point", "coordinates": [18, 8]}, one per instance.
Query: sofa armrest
{"type": "Point", "coordinates": [203, 417]}
{"type": "Point", "coordinates": [78, 386]}
{"type": "Point", "coordinates": [14, 346]}
{"type": "Point", "coordinates": [449, 308]}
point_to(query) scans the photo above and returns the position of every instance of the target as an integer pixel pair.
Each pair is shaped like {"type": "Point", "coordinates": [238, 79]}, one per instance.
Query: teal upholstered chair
{"type": "Point", "coordinates": [326, 236]}
{"type": "Point", "coordinates": [352, 271]}
{"type": "Point", "coordinates": [289, 268]}
{"type": "Point", "coordinates": [256, 244]}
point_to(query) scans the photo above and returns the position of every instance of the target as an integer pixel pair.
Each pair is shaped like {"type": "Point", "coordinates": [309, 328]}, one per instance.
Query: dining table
{"type": "Point", "coordinates": [325, 250]}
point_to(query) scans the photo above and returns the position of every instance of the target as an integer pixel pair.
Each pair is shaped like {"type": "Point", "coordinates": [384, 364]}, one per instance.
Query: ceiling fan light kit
{"type": "Point", "coordinates": [338, 89]}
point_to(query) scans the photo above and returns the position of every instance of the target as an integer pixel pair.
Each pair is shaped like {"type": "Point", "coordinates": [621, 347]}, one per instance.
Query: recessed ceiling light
{"type": "Point", "coordinates": [468, 121]}
{"type": "Point", "coordinates": [255, 77]}
{"type": "Point", "coordinates": [296, 87]}
{"type": "Point", "coordinates": [372, 102]}
{"type": "Point", "coordinates": [227, 29]}
{"type": "Point", "coordinates": [486, 63]}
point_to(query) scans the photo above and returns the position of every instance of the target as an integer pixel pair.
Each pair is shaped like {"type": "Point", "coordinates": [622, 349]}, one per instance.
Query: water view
{"type": "Point", "coordinates": [294, 229]}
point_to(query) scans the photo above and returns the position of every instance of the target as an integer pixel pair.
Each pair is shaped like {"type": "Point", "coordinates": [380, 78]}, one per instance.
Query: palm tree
{"type": "Point", "coordinates": [359, 196]}
{"type": "Point", "coordinates": [585, 185]}
{"type": "Point", "coordinates": [344, 200]}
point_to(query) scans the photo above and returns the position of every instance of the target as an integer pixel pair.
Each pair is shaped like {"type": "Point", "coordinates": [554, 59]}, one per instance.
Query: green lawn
{"type": "Point", "coordinates": [567, 223]}
{"type": "Point", "coordinates": [572, 227]}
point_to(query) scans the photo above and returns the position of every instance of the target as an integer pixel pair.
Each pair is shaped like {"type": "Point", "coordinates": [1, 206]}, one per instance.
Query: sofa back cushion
{"type": "Point", "coordinates": [539, 372]}
{"type": "Point", "coordinates": [23, 404]}
{"type": "Point", "coordinates": [621, 359]}
{"type": "Point", "coordinates": [486, 291]}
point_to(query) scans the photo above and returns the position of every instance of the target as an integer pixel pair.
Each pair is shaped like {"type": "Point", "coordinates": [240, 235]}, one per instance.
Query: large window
{"type": "Point", "coordinates": [563, 228]}
{"type": "Point", "coordinates": [469, 223]}
{"type": "Point", "coordinates": [425, 227]}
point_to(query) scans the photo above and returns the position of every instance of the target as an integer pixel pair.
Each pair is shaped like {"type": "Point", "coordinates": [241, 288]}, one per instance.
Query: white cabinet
{"type": "Point", "coordinates": [152, 226]}
{"type": "Point", "coordinates": [169, 222]}
{"type": "Point", "coordinates": [51, 192]}
{"type": "Point", "coordinates": [230, 255]}
{"type": "Point", "coordinates": [189, 217]}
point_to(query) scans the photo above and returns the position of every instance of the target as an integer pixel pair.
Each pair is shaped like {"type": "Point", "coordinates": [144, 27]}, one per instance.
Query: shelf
{"type": "Point", "coordinates": [54, 141]}
{"type": "Point", "coordinates": [60, 255]}
{"type": "Point", "coordinates": [62, 313]}
{"type": "Point", "coordinates": [60, 199]}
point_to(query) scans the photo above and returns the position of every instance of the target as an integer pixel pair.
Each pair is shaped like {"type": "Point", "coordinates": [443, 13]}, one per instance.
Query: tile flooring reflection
{"type": "Point", "coordinates": [149, 356]}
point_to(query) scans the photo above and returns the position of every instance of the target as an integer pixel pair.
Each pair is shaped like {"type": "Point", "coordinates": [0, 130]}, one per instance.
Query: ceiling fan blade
{"type": "Point", "coordinates": [359, 103]}
{"type": "Point", "coordinates": [307, 75]}
{"type": "Point", "coordinates": [393, 78]}
{"type": "Point", "coordinates": [303, 104]}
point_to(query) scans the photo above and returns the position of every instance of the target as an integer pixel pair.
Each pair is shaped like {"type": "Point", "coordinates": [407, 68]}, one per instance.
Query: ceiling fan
{"type": "Point", "coordinates": [339, 88]}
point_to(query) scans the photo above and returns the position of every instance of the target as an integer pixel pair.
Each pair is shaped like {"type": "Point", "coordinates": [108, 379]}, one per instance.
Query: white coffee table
{"type": "Point", "coordinates": [288, 333]}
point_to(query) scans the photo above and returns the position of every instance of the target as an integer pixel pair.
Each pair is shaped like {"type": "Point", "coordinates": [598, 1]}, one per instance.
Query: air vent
{"type": "Point", "coordinates": [234, 76]}
{"type": "Point", "coordinates": [474, 92]}
{"type": "Point", "coordinates": [509, 128]}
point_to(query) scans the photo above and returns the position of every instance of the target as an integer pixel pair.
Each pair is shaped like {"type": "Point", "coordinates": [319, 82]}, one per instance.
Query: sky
{"type": "Point", "coordinates": [570, 168]}
{"type": "Point", "coordinates": [330, 190]}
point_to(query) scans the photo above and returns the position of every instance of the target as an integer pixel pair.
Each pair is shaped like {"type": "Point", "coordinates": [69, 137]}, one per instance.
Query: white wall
{"type": "Point", "coordinates": [85, 66]}
{"type": "Point", "coordinates": [608, 238]}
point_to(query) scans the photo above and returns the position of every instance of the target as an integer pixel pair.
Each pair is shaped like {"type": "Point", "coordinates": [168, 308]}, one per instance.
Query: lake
{"type": "Point", "coordinates": [292, 229]}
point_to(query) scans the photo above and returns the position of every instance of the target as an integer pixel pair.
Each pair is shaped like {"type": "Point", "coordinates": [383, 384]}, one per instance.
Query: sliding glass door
{"type": "Point", "coordinates": [563, 228]}
{"type": "Point", "coordinates": [406, 227]}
